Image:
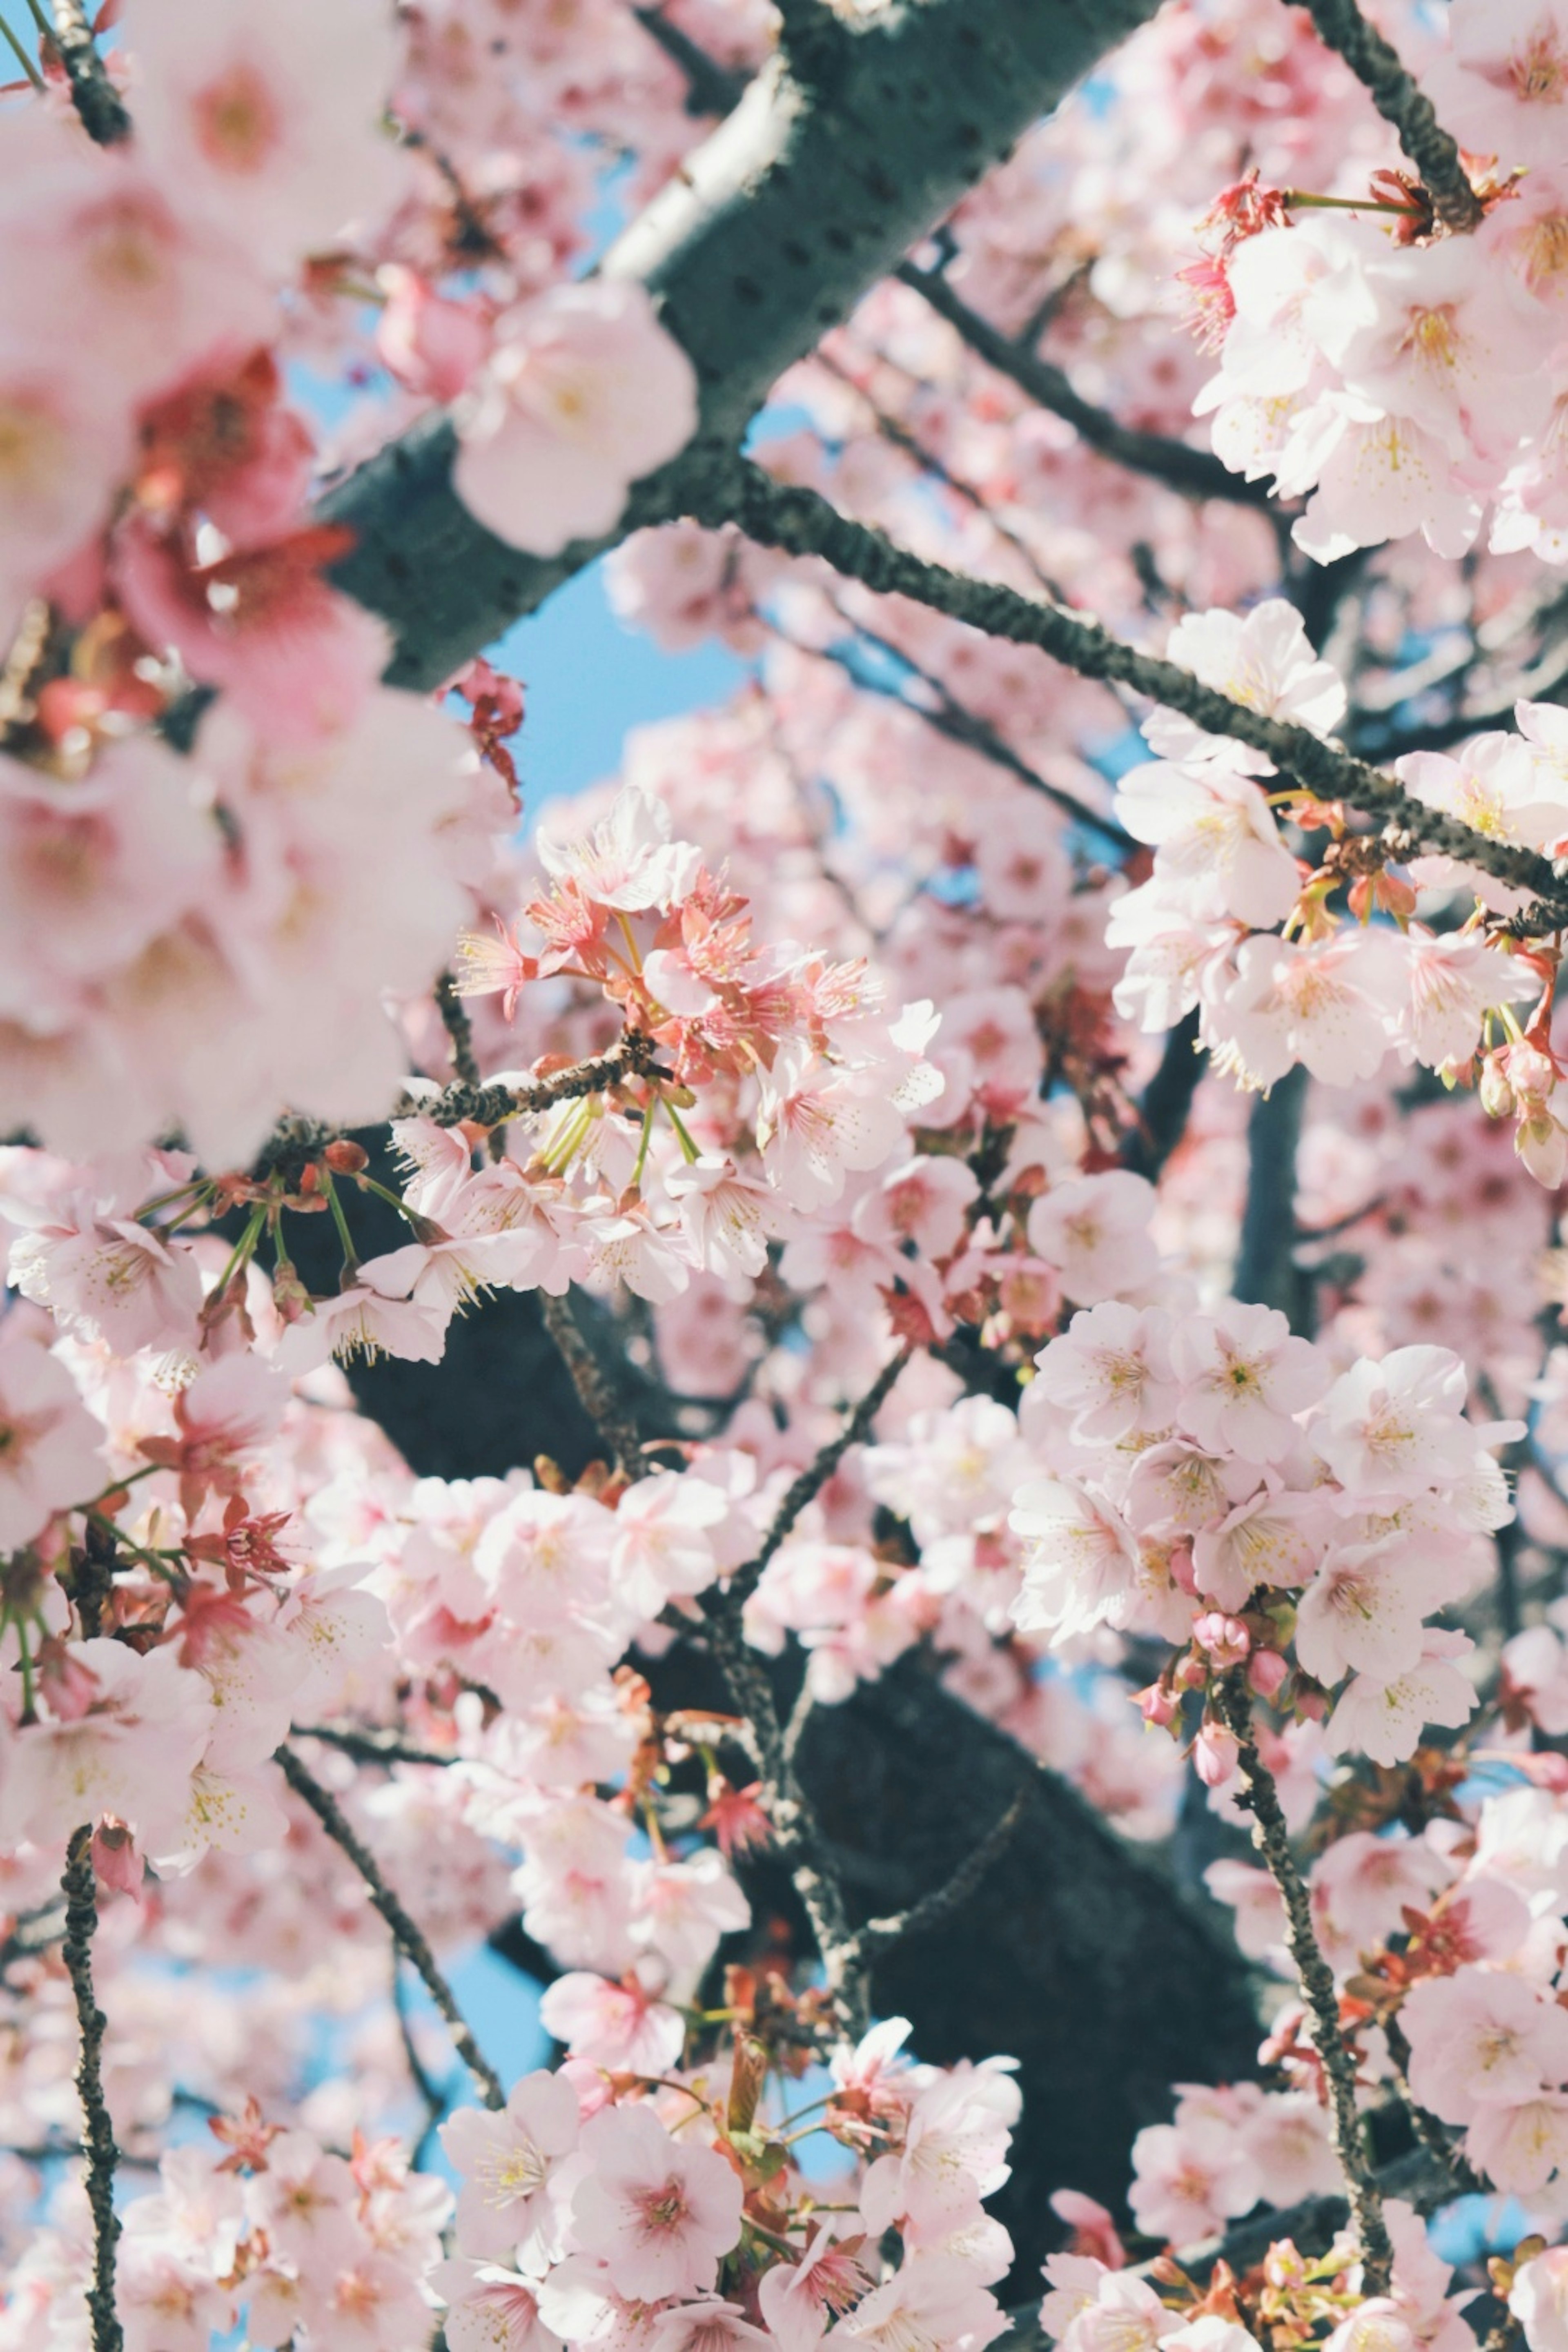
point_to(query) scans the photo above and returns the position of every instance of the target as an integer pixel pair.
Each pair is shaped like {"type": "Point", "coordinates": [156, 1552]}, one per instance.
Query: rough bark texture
{"type": "Point", "coordinates": [1076, 1954]}
{"type": "Point", "coordinates": [813, 190]}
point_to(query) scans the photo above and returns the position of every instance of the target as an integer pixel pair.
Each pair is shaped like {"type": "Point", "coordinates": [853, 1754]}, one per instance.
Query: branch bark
{"type": "Point", "coordinates": [1195, 473]}
{"type": "Point", "coordinates": [800, 521]}
{"type": "Point", "coordinates": [1435, 155]}
{"type": "Point", "coordinates": [811, 192]}
{"type": "Point", "coordinates": [1260, 1798]}
{"type": "Point", "coordinates": [96, 2131]}
{"type": "Point", "coordinates": [94, 96]}
{"type": "Point", "coordinates": [407, 1935]}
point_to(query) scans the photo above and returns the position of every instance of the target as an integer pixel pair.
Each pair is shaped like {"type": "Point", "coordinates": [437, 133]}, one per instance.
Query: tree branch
{"type": "Point", "coordinates": [1266, 1272]}
{"type": "Point", "coordinates": [409, 1937]}
{"type": "Point", "coordinates": [801, 522]}
{"type": "Point", "coordinates": [1195, 473]}
{"type": "Point", "coordinates": [1260, 1798]}
{"type": "Point", "coordinates": [877, 1934]}
{"type": "Point", "coordinates": [97, 2132]}
{"type": "Point", "coordinates": [1343, 28]}
{"type": "Point", "coordinates": [294, 1139]}
{"type": "Point", "coordinates": [806, 1488]}
{"type": "Point", "coordinates": [94, 96]}
{"type": "Point", "coordinates": [771, 232]}
{"type": "Point", "coordinates": [595, 1392]}
{"type": "Point", "coordinates": [712, 89]}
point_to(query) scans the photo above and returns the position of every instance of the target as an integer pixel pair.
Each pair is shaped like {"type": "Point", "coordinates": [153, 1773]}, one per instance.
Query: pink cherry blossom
{"type": "Point", "coordinates": [508, 2207]}
{"type": "Point", "coordinates": [584, 394]}
{"type": "Point", "coordinates": [658, 2212]}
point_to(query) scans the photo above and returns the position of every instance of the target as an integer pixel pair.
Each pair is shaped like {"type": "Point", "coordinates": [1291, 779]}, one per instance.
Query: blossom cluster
{"type": "Point", "coordinates": [1214, 1484]}
{"type": "Point", "coordinates": [1408, 382]}
{"type": "Point", "coordinates": [1233, 924]}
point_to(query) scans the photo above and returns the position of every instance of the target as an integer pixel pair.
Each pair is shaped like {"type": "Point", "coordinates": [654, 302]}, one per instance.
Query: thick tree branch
{"type": "Point", "coordinates": [96, 2131]}
{"type": "Point", "coordinates": [809, 193]}
{"type": "Point", "coordinates": [1195, 473]}
{"type": "Point", "coordinates": [1260, 1798]}
{"type": "Point", "coordinates": [800, 521]}
{"type": "Point", "coordinates": [1266, 1272]}
{"type": "Point", "coordinates": [1343, 28]}
{"type": "Point", "coordinates": [94, 96]}
{"type": "Point", "coordinates": [409, 1937]}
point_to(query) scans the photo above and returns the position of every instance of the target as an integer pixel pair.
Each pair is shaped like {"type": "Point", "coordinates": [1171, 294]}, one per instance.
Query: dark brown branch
{"type": "Point", "coordinates": [806, 1488]}
{"type": "Point", "coordinates": [801, 522]}
{"type": "Point", "coordinates": [955, 722]}
{"type": "Point", "coordinates": [459, 1029]}
{"type": "Point", "coordinates": [774, 227]}
{"type": "Point", "coordinates": [96, 2131]}
{"type": "Point", "coordinates": [1267, 1273]}
{"type": "Point", "coordinates": [1260, 1798]}
{"type": "Point", "coordinates": [295, 1141]}
{"type": "Point", "coordinates": [710, 88]}
{"type": "Point", "coordinates": [371, 1747]}
{"type": "Point", "coordinates": [409, 1937]}
{"type": "Point", "coordinates": [594, 1391]}
{"type": "Point", "coordinates": [1343, 28]}
{"type": "Point", "coordinates": [1195, 473]}
{"type": "Point", "coordinates": [1166, 1102]}
{"type": "Point", "coordinates": [94, 96]}
{"type": "Point", "coordinates": [877, 1934]}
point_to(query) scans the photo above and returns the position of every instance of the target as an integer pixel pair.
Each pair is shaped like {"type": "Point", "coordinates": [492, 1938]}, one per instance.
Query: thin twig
{"type": "Point", "coordinates": [372, 1747]}
{"type": "Point", "coordinates": [806, 1488]}
{"type": "Point", "coordinates": [459, 1029]}
{"type": "Point", "coordinates": [23, 59]}
{"type": "Point", "coordinates": [594, 1391]}
{"type": "Point", "coordinates": [294, 1141]}
{"type": "Point", "coordinates": [931, 1909]}
{"type": "Point", "coordinates": [1260, 1798]}
{"type": "Point", "coordinates": [409, 1937]}
{"type": "Point", "coordinates": [94, 96]}
{"type": "Point", "coordinates": [802, 522]}
{"type": "Point", "coordinates": [900, 437]}
{"type": "Point", "coordinates": [434, 2097]}
{"type": "Point", "coordinates": [712, 89]}
{"type": "Point", "coordinates": [1435, 155]}
{"type": "Point", "coordinates": [1194, 473]}
{"type": "Point", "coordinates": [98, 2143]}
{"type": "Point", "coordinates": [959, 724]}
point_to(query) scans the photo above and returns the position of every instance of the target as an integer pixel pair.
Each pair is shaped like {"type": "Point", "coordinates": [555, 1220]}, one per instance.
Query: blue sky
{"type": "Point", "coordinates": [588, 679]}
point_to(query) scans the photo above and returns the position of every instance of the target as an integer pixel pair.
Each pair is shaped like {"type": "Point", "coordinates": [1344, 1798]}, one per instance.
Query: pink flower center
{"type": "Point", "coordinates": [663, 2210]}
{"type": "Point", "coordinates": [237, 124]}
{"type": "Point", "coordinates": [1538, 71]}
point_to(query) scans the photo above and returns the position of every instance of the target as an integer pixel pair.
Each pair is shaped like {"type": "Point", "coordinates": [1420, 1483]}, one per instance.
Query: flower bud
{"type": "Point", "coordinates": [1213, 1754]}
{"type": "Point", "coordinates": [1225, 1639]}
{"type": "Point", "coordinates": [345, 1158]}
{"type": "Point", "coordinates": [1496, 1094]}
{"type": "Point", "coordinates": [1266, 1672]}
{"type": "Point", "coordinates": [1157, 1704]}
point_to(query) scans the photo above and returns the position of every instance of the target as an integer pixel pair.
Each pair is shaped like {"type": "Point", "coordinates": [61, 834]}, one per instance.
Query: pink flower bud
{"type": "Point", "coordinates": [1182, 1573]}
{"type": "Point", "coordinates": [1157, 1704]}
{"type": "Point", "coordinates": [1225, 1639]}
{"type": "Point", "coordinates": [1213, 1754]}
{"type": "Point", "coordinates": [1190, 1672]}
{"type": "Point", "coordinates": [115, 1859]}
{"type": "Point", "coordinates": [1496, 1094]}
{"type": "Point", "coordinates": [1312, 1703]}
{"type": "Point", "coordinates": [1266, 1671]}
